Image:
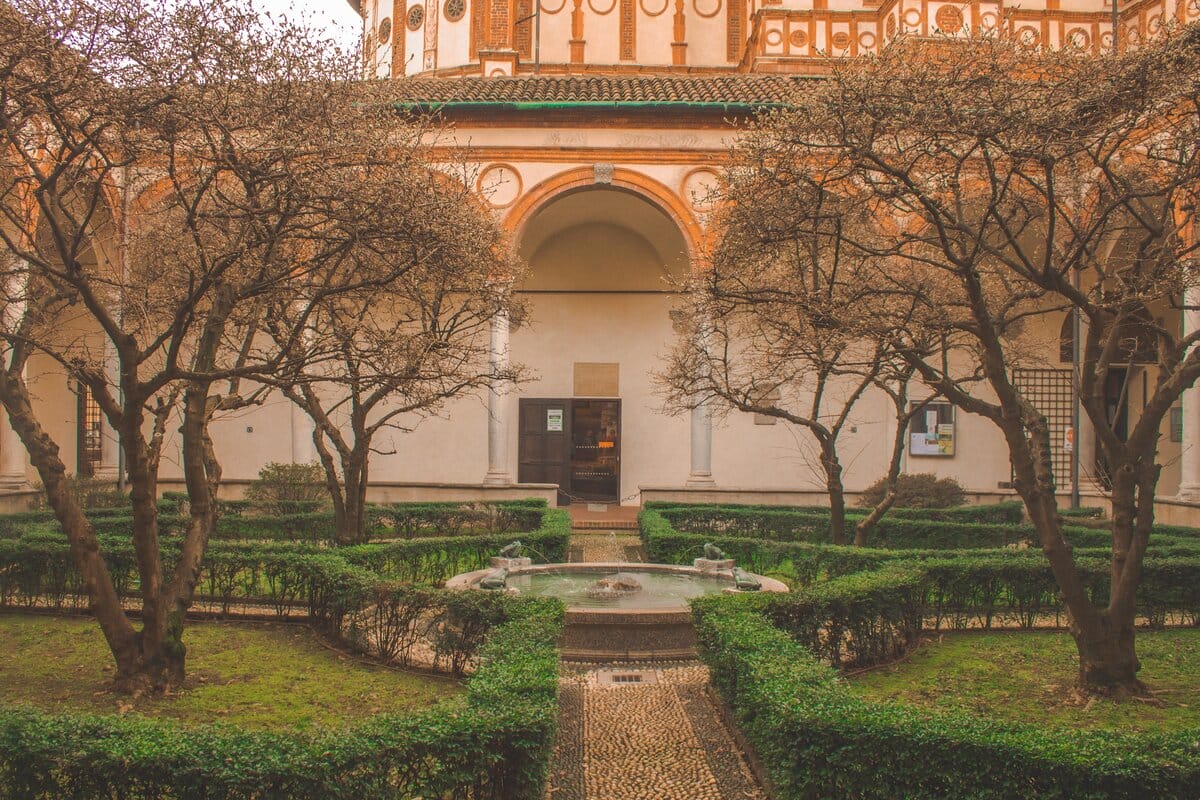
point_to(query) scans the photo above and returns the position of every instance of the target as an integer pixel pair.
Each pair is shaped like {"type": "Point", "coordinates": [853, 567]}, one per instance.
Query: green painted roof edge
{"type": "Point", "coordinates": [589, 105]}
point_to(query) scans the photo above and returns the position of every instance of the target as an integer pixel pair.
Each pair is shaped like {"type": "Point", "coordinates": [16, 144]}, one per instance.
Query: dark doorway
{"type": "Point", "coordinates": [573, 443]}
{"type": "Point", "coordinates": [88, 434]}
{"type": "Point", "coordinates": [543, 454]}
{"type": "Point", "coordinates": [1116, 410]}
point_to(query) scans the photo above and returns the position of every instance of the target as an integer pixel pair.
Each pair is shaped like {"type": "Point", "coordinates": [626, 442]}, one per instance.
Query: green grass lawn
{"type": "Point", "coordinates": [255, 675]}
{"type": "Point", "coordinates": [1029, 676]}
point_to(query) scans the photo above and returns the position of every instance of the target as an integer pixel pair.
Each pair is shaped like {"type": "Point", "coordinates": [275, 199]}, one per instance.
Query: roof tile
{"type": "Point", "coordinates": [747, 89]}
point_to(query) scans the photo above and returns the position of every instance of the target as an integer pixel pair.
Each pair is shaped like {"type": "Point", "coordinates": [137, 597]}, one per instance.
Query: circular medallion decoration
{"type": "Point", "coordinates": [989, 20]}
{"type": "Point", "coordinates": [912, 17]}
{"type": "Point", "coordinates": [1078, 38]}
{"type": "Point", "coordinates": [1028, 36]}
{"type": "Point", "coordinates": [841, 40]}
{"type": "Point", "coordinates": [499, 185]}
{"type": "Point", "coordinates": [652, 8]}
{"type": "Point", "coordinates": [949, 19]}
{"type": "Point", "coordinates": [454, 10]}
{"type": "Point", "coordinates": [1131, 35]}
{"type": "Point", "coordinates": [798, 38]}
{"type": "Point", "coordinates": [866, 39]}
{"type": "Point", "coordinates": [774, 37]}
{"type": "Point", "coordinates": [707, 8]}
{"type": "Point", "coordinates": [699, 188]}
{"type": "Point", "coordinates": [549, 10]}
{"type": "Point", "coordinates": [891, 27]}
{"type": "Point", "coordinates": [1154, 23]}
{"type": "Point", "coordinates": [1193, 8]}
{"type": "Point", "coordinates": [416, 15]}
{"type": "Point", "coordinates": [385, 30]}
{"type": "Point", "coordinates": [602, 9]}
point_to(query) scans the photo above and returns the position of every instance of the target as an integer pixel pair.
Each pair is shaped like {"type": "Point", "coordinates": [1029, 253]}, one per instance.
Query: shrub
{"type": "Point", "coordinates": [494, 745]}
{"type": "Point", "coordinates": [817, 740]}
{"type": "Point", "coordinates": [91, 493]}
{"type": "Point", "coordinates": [917, 490]}
{"type": "Point", "coordinates": [279, 484]}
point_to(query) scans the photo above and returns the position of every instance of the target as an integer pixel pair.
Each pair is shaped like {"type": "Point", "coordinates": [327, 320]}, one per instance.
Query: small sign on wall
{"type": "Point", "coordinates": [554, 420]}
{"type": "Point", "coordinates": [932, 433]}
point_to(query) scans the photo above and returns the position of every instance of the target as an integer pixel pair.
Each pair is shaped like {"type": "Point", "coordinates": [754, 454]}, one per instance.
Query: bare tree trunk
{"type": "Point", "coordinates": [837, 491]}
{"type": "Point", "coordinates": [864, 527]}
{"type": "Point", "coordinates": [351, 528]}
{"type": "Point", "coordinates": [1108, 662]}
{"type": "Point", "coordinates": [104, 601]}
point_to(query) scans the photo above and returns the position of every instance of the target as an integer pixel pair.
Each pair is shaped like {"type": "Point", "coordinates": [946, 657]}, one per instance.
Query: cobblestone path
{"type": "Point", "coordinates": [641, 731]}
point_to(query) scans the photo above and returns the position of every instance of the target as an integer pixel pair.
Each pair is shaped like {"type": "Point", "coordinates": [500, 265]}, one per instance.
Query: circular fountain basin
{"type": "Point", "coordinates": [652, 623]}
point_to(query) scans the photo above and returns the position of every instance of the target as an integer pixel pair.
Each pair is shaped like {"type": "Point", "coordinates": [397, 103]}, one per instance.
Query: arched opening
{"type": "Point", "coordinates": [602, 240]}
{"type": "Point", "coordinates": [604, 266]}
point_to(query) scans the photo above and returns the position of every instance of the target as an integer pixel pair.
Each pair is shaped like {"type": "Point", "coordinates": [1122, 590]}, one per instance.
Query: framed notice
{"type": "Point", "coordinates": [931, 431]}
{"type": "Point", "coordinates": [554, 420]}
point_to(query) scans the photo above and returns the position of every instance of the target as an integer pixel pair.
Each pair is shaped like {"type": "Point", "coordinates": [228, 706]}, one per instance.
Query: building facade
{"type": "Point", "coordinates": [595, 130]}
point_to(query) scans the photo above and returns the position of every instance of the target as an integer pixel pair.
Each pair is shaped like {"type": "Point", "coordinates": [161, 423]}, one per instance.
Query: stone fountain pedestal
{"type": "Point", "coordinates": [708, 565]}
{"type": "Point", "coordinates": [500, 562]}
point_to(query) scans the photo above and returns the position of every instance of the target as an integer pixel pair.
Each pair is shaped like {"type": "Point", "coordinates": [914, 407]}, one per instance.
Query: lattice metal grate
{"type": "Point", "coordinates": [1051, 392]}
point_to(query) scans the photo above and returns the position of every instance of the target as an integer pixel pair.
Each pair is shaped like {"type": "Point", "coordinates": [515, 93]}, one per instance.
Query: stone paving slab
{"type": "Point", "coordinates": [641, 731]}
{"type": "Point", "coordinates": [659, 740]}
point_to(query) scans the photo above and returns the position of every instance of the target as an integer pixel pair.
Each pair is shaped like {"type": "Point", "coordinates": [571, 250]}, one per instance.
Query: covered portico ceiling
{"type": "Point", "coordinates": [602, 238]}
{"type": "Point", "coordinates": [609, 207]}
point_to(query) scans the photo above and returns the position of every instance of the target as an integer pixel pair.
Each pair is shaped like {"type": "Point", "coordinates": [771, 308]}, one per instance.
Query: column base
{"type": "Point", "coordinates": [700, 479]}
{"type": "Point", "coordinates": [497, 479]}
{"type": "Point", "coordinates": [1189, 493]}
{"type": "Point", "coordinates": [14, 483]}
{"type": "Point", "coordinates": [106, 474]}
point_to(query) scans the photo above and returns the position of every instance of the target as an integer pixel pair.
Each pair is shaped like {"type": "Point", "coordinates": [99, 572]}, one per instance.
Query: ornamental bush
{"type": "Point", "coordinates": [492, 745]}
{"type": "Point", "coordinates": [917, 490]}
{"type": "Point", "coordinates": [280, 483]}
{"type": "Point", "coordinates": [36, 569]}
{"type": "Point", "coordinates": [817, 740]}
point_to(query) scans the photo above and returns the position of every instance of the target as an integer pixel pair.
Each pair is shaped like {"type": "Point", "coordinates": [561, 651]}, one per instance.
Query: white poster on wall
{"type": "Point", "coordinates": [554, 420]}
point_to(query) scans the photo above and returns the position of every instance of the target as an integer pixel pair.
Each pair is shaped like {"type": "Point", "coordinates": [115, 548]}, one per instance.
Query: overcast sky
{"type": "Point", "coordinates": [334, 16]}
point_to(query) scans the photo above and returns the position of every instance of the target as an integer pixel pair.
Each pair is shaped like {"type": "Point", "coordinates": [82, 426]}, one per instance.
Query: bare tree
{"type": "Point", "coordinates": [1012, 186]}
{"type": "Point", "coordinates": [413, 333]}
{"type": "Point", "coordinates": [174, 170]}
{"type": "Point", "coordinates": [768, 328]}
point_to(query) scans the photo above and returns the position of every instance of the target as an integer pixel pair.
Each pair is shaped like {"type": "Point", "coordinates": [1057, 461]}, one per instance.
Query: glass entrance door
{"type": "Point", "coordinates": [596, 450]}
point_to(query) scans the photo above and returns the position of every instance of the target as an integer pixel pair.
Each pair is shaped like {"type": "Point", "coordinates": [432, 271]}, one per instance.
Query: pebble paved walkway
{"type": "Point", "coordinates": [659, 738]}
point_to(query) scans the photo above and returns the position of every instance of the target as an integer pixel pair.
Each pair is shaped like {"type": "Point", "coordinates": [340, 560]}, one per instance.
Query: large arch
{"type": "Point", "coordinates": [623, 179]}
{"type": "Point", "coordinates": [606, 262]}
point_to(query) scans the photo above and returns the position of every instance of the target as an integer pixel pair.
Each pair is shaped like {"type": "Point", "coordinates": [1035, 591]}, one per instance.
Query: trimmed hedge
{"type": "Point", "coordinates": [306, 522]}
{"type": "Point", "coordinates": [1006, 513]}
{"type": "Point", "coordinates": [492, 745]}
{"type": "Point", "coordinates": [817, 740]}
{"type": "Point", "coordinates": [267, 576]}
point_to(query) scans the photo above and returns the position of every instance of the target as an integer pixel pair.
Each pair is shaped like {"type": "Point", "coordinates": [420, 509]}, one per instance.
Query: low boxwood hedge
{"type": "Point", "coordinates": [817, 740]}
{"type": "Point", "coordinates": [494, 744]}
{"type": "Point", "coordinates": [37, 569]}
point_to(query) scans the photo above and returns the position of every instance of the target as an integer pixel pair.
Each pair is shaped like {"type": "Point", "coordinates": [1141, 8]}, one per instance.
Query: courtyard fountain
{"type": "Point", "coordinates": [620, 610]}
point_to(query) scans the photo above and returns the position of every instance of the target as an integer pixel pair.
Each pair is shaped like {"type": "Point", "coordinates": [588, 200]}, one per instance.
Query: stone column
{"type": "Point", "coordinates": [497, 473]}
{"type": "Point", "coordinates": [13, 473]}
{"type": "Point", "coordinates": [303, 449]}
{"type": "Point", "coordinates": [1189, 473]}
{"type": "Point", "coordinates": [701, 472]}
{"type": "Point", "coordinates": [13, 458]}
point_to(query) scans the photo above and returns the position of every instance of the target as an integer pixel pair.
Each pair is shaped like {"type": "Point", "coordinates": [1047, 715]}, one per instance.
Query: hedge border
{"type": "Point", "coordinates": [818, 740]}
{"type": "Point", "coordinates": [494, 745]}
